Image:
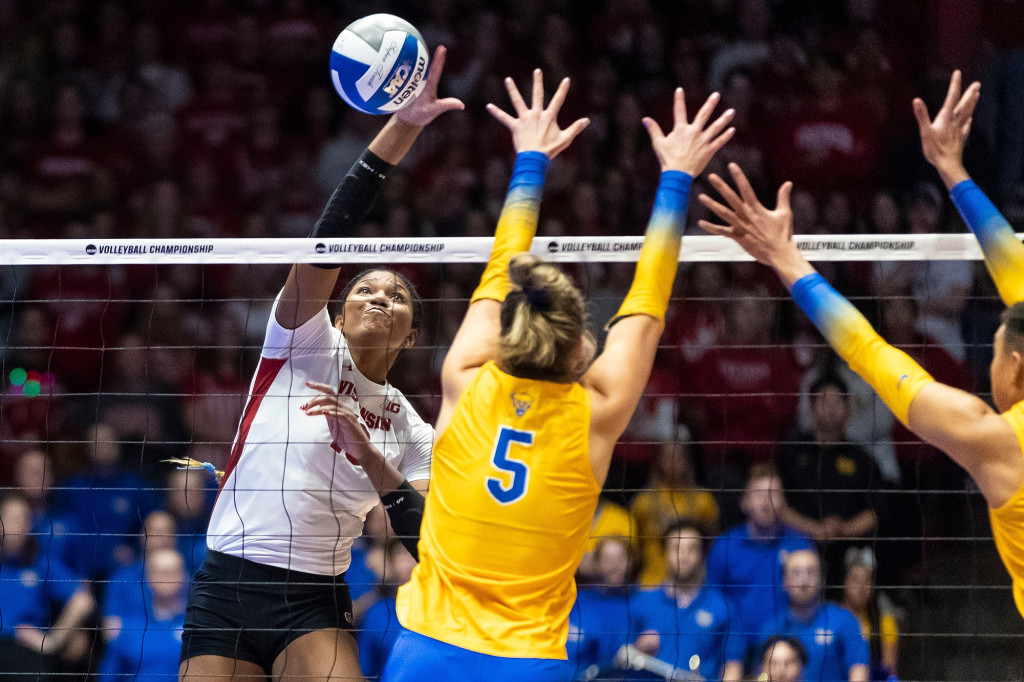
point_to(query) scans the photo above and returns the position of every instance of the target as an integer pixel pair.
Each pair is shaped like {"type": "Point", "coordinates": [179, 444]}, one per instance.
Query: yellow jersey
{"type": "Point", "coordinates": [1008, 520]}
{"type": "Point", "coordinates": [512, 495]}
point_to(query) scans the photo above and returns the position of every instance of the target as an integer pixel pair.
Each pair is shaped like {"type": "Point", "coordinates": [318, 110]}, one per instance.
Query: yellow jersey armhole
{"type": "Point", "coordinates": [1019, 432]}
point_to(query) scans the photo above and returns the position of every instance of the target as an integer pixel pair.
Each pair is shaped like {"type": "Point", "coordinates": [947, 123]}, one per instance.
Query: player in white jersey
{"type": "Point", "coordinates": [323, 438]}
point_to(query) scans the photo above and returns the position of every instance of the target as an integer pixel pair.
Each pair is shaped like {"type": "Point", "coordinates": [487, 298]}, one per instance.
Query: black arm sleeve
{"type": "Point", "coordinates": [405, 509]}
{"type": "Point", "coordinates": [352, 200]}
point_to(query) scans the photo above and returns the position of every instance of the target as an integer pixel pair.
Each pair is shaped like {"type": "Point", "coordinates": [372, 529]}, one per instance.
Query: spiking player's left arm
{"type": "Point", "coordinates": [942, 141]}
{"type": "Point", "coordinates": [958, 423]}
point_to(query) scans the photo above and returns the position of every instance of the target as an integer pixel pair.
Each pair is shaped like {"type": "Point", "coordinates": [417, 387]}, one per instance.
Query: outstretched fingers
{"type": "Point", "coordinates": [679, 108]}
{"type": "Point", "coordinates": [503, 117]}
{"type": "Point", "coordinates": [566, 136]}
{"type": "Point", "coordinates": [653, 129]}
{"type": "Point", "coordinates": [782, 198]}
{"type": "Point", "coordinates": [726, 191]}
{"type": "Point", "coordinates": [964, 109]}
{"type": "Point", "coordinates": [577, 127]}
{"type": "Point", "coordinates": [743, 185]}
{"type": "Point", "coordinates": [704, 113]}
{"type": "Point", "coordinates": [538, 90]}
{"type": "Point", "coordinates": [921, 113]}
{"type": "Point", "coordinates": [436, 67]}
{"type": "Point", "coordinates": [953, 92]}
{"type": "Point", "coordinates": [558, 99]}
{"type": "Point", "coordinates": [718, 230]}
{"type": "Point", "coordinates": [720, 210]}
{"type": "Point", "coordinates": [518, 103]}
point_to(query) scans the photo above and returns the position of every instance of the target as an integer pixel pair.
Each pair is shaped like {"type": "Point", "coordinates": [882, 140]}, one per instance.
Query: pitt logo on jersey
{"type": "Point", "coordinates": [521, 402]}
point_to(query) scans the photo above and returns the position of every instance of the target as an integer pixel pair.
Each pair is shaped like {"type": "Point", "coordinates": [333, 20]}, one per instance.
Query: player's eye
{"type": "Point", "coordinates": [398, 297]}
{"type": "Point", "coordinates": [363, 290]}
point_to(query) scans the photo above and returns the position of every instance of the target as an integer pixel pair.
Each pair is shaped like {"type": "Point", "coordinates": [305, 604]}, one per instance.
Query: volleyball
{"type": "Point", "coordinates": [379, 63]}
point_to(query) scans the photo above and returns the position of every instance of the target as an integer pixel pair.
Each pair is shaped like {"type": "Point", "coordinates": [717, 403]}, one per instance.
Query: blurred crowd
{"type": "Point", "coordinates": [217, 118]}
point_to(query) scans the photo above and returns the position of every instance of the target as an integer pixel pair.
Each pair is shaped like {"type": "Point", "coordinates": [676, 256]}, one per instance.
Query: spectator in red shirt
{"type": "Point", "coordinates": [63, 171]}
{"type": "Point", "coordinates": [745, 389]}
{"type": "Point", "coordinates": [830, 141]}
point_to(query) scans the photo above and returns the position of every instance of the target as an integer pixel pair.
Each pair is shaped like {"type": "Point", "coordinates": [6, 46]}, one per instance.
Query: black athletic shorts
{"type": "Point", "coordinates": [250, 612]}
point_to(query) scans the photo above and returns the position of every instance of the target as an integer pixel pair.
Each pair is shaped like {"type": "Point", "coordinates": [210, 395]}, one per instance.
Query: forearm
{"type": "Point", "coordinates": [798, 521]}
{"type": "Point", "coordinates": [891, 372]}
{"type": "Point", "coordinates": [952, 172]}
{"type": "Point", "coordinates": [74, 613]}
{"type": "Point", "coordinates": [395, 140]}
{"type": "Point", "coordinates": [309, 287]}
{"type": "Point", "coordinates": [517, 225]}
{"type": "Point", "coordinates": [404, 507]}
{"type": "Point", "coordinates": [860, 525]}
{"type": "Point", "coordinates": [1004, 254]}
{"type": "Point", "coordinates": [655, 273]}
{"type": "Point", "coordinates": [383, 475]}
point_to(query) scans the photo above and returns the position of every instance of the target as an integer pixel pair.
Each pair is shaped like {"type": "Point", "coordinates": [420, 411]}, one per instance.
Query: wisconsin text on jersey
{"type": "Point", "coordinates": [373, 421]}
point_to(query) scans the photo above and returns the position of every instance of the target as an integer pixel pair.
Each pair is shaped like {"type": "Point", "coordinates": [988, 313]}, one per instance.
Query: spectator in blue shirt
{"type": "Point", "coordinates": [599, 622]}
{"type": "Point", "coordinates": [746, 561]}
{"type": "Point", "coordinates": [107, 505]}
{"type": "Point", "coordinates": [836, 648]}
{"type": "Point", "coordinates": [125, 595]}
{"type": "Point", "coordinates": [33, 478]}
{"type": "Point", "coordinates": [30, 583]}
{"type": "Point", "coordinates": [380, 625]}
{"type": "Point", "coordinates": [147, 646]}
{"type": "Point", "coordinates": [686, 622]}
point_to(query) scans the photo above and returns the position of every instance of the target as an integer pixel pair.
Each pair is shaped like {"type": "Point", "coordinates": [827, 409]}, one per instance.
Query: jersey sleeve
{"type": "Point", "coordinates": [416, 458]}
{"type": "Point", "coordinates": [312, 336]}
{"type": "Point", "coordinates": [1003, 252]}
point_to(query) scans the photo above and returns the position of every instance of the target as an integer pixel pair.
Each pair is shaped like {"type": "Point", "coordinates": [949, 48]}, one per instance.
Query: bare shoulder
{"type": "Point", "coordinates": [1002, 466]}
{"type": "Point", "coordinates": [975, 436]}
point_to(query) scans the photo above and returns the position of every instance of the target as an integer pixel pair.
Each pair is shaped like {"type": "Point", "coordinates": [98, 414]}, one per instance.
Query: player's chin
{"type": "Point", "coordinates": [376, 332]}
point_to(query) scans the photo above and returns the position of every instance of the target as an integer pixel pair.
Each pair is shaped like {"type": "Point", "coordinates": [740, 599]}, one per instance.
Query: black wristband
{"type": "Point", "coordinates": [405, 509]}
{"type": "Point", "coordinates": [352, 200]}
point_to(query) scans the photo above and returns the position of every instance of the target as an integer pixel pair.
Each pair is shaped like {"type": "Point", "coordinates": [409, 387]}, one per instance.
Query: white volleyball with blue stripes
{"type": "Point", "coordinates": [379, 63]}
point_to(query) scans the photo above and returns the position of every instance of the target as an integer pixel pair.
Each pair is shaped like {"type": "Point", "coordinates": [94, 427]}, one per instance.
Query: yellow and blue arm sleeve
{"type": "Point", "coordinates": [517, 225]}
{"type": "Point", "coordinates": [894, 375]}
{"type": "Point", "coordinates": [1004, 254]}
{"type": "Point", "coordinates": [659, 257]}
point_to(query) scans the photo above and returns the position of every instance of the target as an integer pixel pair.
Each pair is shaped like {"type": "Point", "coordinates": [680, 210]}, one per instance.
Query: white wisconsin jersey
{"type": "Point", "coordinates": [288, 499]}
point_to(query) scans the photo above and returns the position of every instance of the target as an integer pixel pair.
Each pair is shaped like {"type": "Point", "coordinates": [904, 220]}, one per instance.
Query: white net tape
{"type": "Point", "coordinates": [859, 247]}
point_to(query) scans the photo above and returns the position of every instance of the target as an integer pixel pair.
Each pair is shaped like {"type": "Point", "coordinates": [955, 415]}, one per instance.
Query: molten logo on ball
{"type": "Point", "coordinates": [379, 64]}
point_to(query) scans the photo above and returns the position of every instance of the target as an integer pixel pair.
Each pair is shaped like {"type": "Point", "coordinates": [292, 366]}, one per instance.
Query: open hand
{"type": "Point", "coordinates": [348, 432]}
{"type": "Point", "coordinates": [426, 107]}
{"type": "Point", "coordinates": [943, 138]}
{"type": "Point", "coordinates": [535, 128]}
{"type": "Point", "coordinates": [688, 147]}
{"type": "Point", "coordinates": [767, 235]}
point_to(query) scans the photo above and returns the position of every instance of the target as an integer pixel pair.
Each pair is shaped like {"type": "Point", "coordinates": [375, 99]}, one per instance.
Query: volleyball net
{"type": "Point", "coordinates": [122, 353]}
